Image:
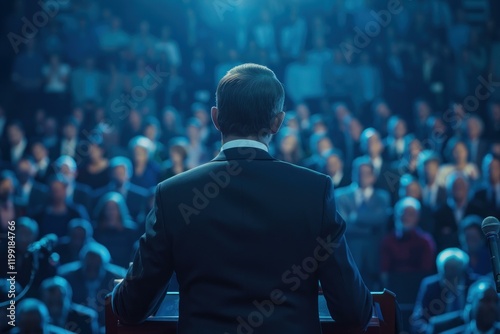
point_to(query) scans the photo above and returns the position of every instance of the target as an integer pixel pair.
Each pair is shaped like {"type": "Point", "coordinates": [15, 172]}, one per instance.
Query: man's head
{"type": "Point", "coordinates": [80, 233]}
{"type": "Point", "coordinates": [457, 187]}
{"type": "Point", "coordinates": [452, 263]}
{"type": "Point", "coordinates": [25, 170]}
{"type": "Point", "coordinates": [491, 169]}
{"type": "Point", "coordinates": [334, 162]}
{"type": "Point", "coordinates": [8, 184]}
{"type": "Point", "coordinates": [409, 186]}
{"type": "Point", "coordinates": [407, 214]}
{"type": "Point", "coordinates": [94, 257]}
{"type": "Point", "coordinates": [58, 189]}
{"type": "Point", "coordinates": [249, 103]}
{"type": "Point", "coordinates": [482, 304]}
{"type": "Point", "coordinates": [32, 317]}
{"type": "Point", "coordinates": [121, 170]}
{"type": "Point", "coordinates": [428, 166]}
{"type": "Point", "coordinates": [66, 166]}
{"type": "Point", "coordinates": [56, 293]}
{"type": "Point", "coordinates": [362, 172]}
{"type": "Point", "coordinates": [371, 143]}
{"type": "Point", "coordinates": [470, 234]}
{"type": "Point", "coordinates": [15, 133]}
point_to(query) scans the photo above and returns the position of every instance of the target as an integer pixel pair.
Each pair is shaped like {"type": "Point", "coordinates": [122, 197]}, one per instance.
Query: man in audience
{"type": "Point", "coordinates": [478, 147]}
{"type": "Point", "coordinates": [80, 233]}
{"type": "Point", "coordinates": [17, 143]}
{"type": "Point", "coordinates": [433, 195]}
{"type": "Point", "coordinates": [486, 200]}
{"type": "Point", "coordinates": [135, 196]}
{"type": "Point", "coordinates": [473, 242]}
{"type": "Point", "coordinates": [449, 215]}
{"type": "Point", "coordinates": [366, 210]}
{"type": "Point", "coordinates": [32, 317]}
{"type": "Point", "coordinates": [92, 277]}
{"type": "Point", "coordinates": [480, 314]}
{"type": "Point", "coordinates": [372, 146]}
{"type": "Point", "coordinates": [445, 291]}
{"type": "Point", "coordinates": [56, 293]}
{"type": "Point", "coordinates": [30, 194]}
{"type": "Point", "coordinates": [407, 248]}
{"type": "Point", "coordinates": [76, 192]}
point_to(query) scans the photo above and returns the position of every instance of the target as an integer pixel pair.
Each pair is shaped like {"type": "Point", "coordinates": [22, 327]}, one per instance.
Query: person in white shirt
{"type": "Point", "coordinates": [458, 155]}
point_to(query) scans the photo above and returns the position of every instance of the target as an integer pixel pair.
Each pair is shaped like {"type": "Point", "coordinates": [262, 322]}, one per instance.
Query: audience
{"type": "Point", "coordinates": [104, 107]}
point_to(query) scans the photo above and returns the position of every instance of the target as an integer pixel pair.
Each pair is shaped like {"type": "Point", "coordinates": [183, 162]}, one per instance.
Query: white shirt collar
{"type": "Point", "coordinates": [244, 143]}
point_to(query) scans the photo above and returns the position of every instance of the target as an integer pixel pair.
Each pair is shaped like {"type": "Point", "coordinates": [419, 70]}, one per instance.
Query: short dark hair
{"type": "Point", "coordinates": [248, 97]}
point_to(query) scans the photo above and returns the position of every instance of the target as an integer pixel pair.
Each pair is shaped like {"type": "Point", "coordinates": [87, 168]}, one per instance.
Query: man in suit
{"type": "Point", "coordinates": [444, 292]}
{"type": "Point", "coordinates": [478, 147]}
{"type": "Point", "coordinates": [372, 147]}
{"type": "Point", "coordinates": [366, 210]}
{"type": "Point", "coordinates": [32, 316]}
{"type": "Point", "coordinates": [17, 144]}
{"type": "Point", "coordinates": [237, 231]}
{"type": "Point", "coordinates": [334, 167]}
{"type": "Point", "coordinates": [56, 293]}
{"type": "Point", "coordinates": [136, 197]}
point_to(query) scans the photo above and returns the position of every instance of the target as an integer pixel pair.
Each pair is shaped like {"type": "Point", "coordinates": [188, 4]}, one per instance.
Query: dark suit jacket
{"type": "Point", "coordinates": [482, 203]}
{"type": "Point", "coordinates": [82, 319]}
{"type": "Point", "coordinates": [446, 226]}
{"type": "Point", "coordinates": [82, 194]}
{"type": "Point", "coordinates": [233, 230]}
{"type": "Point", "coordinates": [37, 198]}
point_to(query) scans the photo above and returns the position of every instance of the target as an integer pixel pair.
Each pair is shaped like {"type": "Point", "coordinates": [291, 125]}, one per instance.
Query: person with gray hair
{"type": "Point", "coordinates": [146, 171]}
{"type": "Point", "coordinates": [57, 293]}
{"type": "Point", "coordinates": [445, 291]}
{"type": "Point", "coordinates": [407, 249]}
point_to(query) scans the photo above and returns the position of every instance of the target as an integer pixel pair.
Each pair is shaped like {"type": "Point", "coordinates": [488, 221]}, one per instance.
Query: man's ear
{"type": "Point", "coordinates": [214, 113]}
{"type": "Point", "coordinates": [276, 122]}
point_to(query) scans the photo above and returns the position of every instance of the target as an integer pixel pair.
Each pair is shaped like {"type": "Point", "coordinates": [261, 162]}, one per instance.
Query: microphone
{"type": "Point", "coordinates": [45, 245]}
{"type": "Point", "coordinates": [491, 227]}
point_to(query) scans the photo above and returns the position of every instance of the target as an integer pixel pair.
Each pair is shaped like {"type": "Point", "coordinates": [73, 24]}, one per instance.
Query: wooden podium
{"type": "Point", "coordinates": [383, 319]}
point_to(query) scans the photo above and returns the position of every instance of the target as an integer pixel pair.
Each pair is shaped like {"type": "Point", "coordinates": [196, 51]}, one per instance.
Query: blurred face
{"type": "Point", "coordinates": [24, 238]}
{"type": "Point", "coordinates": [193, 133]}
{"type": "Point", "coordinates": [77, 236]}
{"type": "Point", "coordinates": [400, 129]}
{"type": "Point", "coordinates": [453, 270]}
{"type": "Point", "coordinates": [486, 309]}
{"type": "Point", "coordinates": [39, 152]}
{"type": "Point", "coordinates": [69, 131]}
{"type": "Point", "coordinates": [151, 132]}
{"type": "Point", "coordinates": [25, 171]}
{"type": "Point", "coordinates": [14, 134]}
{"type": "Point", "coordinates": [409, 218]}
{"type": "Point", "coordinates": [120, 175]}
{"type": "Point", "coordinates": [473, 239]}
{"type": "Point", "coordinates": [366, 177]}
{"type": "Point", "coordinates": [6, 190]}
{"type": "Point", "coordinates": [460, 190]}
{"type": "Point", "coordinates": [289, 144]}
{"type": "Point", "coordinates": [340, 113]}
{"type": "Point", "coordinates": [324, 145]}
{"type": "Point", "coordinates": [176, 156]}
{"type": "Point", "coordinates": [460, 153]}
{"type": "Point", "coordinates": [423, 111]}
{"type": "Point", "coordinates": [355, 129]}
{"type": "Point", "coordinates": [202, 116]}
{"type": "Point", "coordinates": [333, 165]}
{"type": "Point", "coordinates": [383, 110]}
{"type": "Point", "coordinates": [111, 211]}
{"type": "Point", "coordinates": [431, 169]}
{"type": "Point", "coordinates": [494, 172]}
{"type": "Point", "coordinates": [375, 146]}
{"type": "Point", "coordinates": [140, 155]}
{"type": "Point", "coordinates": [67, 172]}
{"type": "Point", "coordinates": [58, 192]}
{"type": "Point", "coordinates": [495, 113]}
{"type": "Point", "coordinates": [302, 111]}
{"type": "Point", "coordinates": [95, 152]}
{"type": "Point", "coordinates": [55, 301]}
{"type": "Point", "coordinates": [414, 190]}
{"type": "Point", "coordinates": [92, 266]}
{"type": "Point", "coordinates": [134, 119]}
{"type": "Point", "coordinates": [473, 128]}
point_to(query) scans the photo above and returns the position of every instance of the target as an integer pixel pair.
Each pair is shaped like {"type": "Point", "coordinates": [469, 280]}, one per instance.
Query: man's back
{"type": "Point", "coordinates": [249, 237]}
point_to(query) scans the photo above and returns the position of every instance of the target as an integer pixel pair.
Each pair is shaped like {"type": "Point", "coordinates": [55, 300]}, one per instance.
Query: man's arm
{"type": "Point", "coordinates": [347, 297]}
{"type": "Point", "coordinates": [146, 282]}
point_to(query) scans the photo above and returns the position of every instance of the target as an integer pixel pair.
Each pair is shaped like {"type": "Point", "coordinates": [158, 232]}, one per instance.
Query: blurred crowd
{"type": "Point", "coordinates": [404, 118]}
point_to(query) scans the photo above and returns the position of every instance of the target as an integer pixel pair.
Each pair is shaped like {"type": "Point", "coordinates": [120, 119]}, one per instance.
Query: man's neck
{"type": "Point", "coordinates": [264, 139]}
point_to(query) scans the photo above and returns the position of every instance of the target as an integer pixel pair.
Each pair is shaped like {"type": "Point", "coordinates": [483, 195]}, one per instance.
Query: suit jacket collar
{"type": "Point", "coordinates": [243, 153]}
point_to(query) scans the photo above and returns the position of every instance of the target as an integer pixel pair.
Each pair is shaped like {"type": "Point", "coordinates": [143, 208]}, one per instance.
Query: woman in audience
{"type": "Point", "coordinates": [458, 155]}
{"type": "Point", "coordinates": [114, 228]}
{"type": "Point", "coordinates": [95, 171]}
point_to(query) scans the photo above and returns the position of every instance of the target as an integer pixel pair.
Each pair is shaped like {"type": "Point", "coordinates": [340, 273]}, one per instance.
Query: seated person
{"type": "Point", "coordinates": [56, 293]}
{"type": "Point", "coordinates": [407, 248]}
{"type": "Point", "coordinates": [445, 291]}
{"type": "Point", "coordinates": [473, 242]}
{"type": "Point", "coordinates": [92, 277]}
{"type": "Point", "coordinates": [32, 316]}
{"type": "Point", "coordinates": [480, 314]}
{"type": "Point", "coordinates": [80, 233]}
